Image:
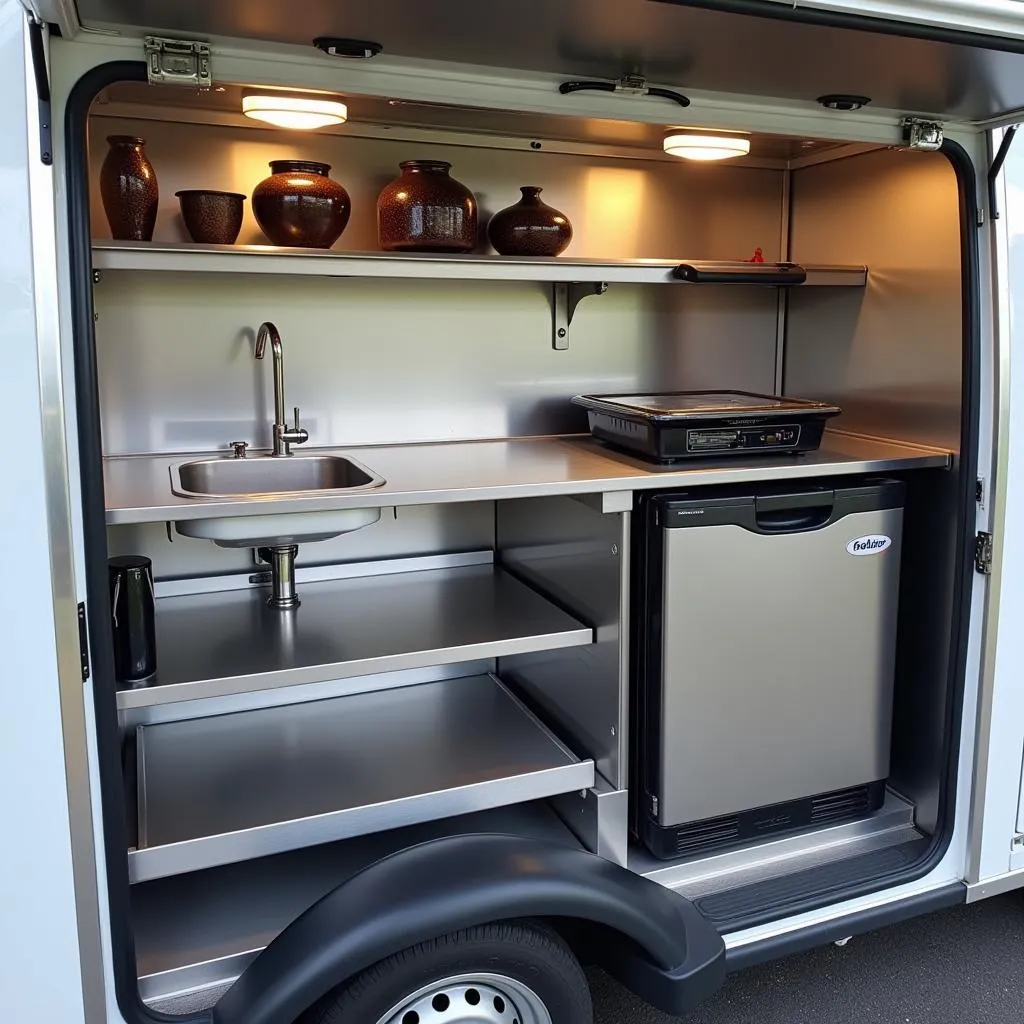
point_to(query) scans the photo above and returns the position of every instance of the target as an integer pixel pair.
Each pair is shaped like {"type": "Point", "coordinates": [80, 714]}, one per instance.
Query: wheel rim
{"type": "Point", "coordinates": [470, 999]}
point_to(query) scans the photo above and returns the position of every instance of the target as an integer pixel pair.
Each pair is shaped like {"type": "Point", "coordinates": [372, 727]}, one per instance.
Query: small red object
{"type": "Point", "coordinates": [758, 256]}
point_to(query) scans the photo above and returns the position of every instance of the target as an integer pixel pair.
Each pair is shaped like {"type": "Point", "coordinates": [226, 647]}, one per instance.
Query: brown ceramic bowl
{"type": "Point", "coordinates": [212, 218]}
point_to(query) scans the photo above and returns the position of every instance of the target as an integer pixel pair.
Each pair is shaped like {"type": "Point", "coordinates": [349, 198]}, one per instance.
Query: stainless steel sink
{"type": "Point", "coordinates": [296, 475]}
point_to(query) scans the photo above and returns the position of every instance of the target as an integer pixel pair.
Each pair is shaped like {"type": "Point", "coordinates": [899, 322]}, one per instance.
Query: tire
{"type": "Point", "coordinates": [505, 973]}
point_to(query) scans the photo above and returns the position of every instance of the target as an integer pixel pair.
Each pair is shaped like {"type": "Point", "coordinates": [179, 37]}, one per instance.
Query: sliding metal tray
{"type": "Point", "coordinates": [231, 787]}
{"type": "Point", "coordinates": [212, 645]}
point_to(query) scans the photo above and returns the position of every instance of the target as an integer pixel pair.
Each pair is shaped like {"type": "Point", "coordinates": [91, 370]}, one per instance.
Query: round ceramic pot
{"type": "Point", "coordinates": [530, 227]}
{"type": "Point", "coordinates": [129, 189]}
{"type": "Point", "coordinates": [426, 210]}
{"type": "Point", "coordinates": [300, 205]}
{"type": "Point", "coordinates": [213, 218]}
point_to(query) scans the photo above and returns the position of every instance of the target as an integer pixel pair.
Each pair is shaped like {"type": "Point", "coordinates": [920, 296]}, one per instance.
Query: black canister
{"type": "Point", "coordinates": [133, 611]}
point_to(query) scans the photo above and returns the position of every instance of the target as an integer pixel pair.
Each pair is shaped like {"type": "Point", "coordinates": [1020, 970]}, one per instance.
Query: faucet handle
{"type": "Point", "coordinates": [297, 427]}
{"type": "Point", "coordinates": [239, 448]}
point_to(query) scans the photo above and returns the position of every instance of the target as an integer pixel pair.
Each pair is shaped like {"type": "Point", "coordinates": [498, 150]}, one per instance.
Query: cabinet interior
{"type": "Point", "coordinates": [392, 361]}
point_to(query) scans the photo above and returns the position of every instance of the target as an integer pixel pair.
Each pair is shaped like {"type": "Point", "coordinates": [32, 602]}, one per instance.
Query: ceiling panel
{"type": "Point", "coordinates": [671, 43]}
{"type": "Point", "coordinates": [396, 114]}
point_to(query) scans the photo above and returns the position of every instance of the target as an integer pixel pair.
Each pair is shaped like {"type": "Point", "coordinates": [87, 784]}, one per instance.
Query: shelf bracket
{"type": "Point", "coordinates": [565, 297]}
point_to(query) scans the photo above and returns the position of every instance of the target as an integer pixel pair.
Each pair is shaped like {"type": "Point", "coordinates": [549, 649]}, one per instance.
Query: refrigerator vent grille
{"type": "Point", "coordinates": [841, 805]}
{"type": "Point", "coordinates": [705, 834]}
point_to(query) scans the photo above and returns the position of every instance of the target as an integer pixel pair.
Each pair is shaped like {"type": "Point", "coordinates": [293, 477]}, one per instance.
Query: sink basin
{"type": "Point", "coordinates": [264, 476]}
{"type": "Point", "coordinates": [257, 477]}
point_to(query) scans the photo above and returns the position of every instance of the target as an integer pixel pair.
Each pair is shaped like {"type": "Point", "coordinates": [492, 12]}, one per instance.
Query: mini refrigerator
{"type": "Point", "coordinates": [765, 642]}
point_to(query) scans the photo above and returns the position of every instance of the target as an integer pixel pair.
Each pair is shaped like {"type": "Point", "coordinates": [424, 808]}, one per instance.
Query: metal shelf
{"type": "Point", "coordinates": [233, 787]}
{"type": "Point", "coordinates": [265, 259]}
{"type": "Point", "coordinates": [212, 645]}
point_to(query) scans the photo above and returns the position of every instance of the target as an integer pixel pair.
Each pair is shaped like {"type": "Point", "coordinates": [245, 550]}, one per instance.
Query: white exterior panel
{"type": "Point", "coordinates": [41, 966]}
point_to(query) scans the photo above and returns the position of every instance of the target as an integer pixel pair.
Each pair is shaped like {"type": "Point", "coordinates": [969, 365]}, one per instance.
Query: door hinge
{"type": "Point", "coordinates": [37, 45]}
{"type": "Point", "coordinates": [83, 641]}
{"type": "Point", "coordinates": [178, 62]}
{"type": "Point", "coordinates": [983, 553]}
{"type": "Point", "coordinates": [921, 134]}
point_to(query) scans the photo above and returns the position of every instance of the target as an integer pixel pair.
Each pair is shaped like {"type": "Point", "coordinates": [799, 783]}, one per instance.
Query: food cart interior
{"type": "Point", "coordinates": [468, 660]}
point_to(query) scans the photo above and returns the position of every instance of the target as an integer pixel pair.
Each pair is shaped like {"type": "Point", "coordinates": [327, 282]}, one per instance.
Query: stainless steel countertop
{"type": "Point", "coordinates": [138, 487]}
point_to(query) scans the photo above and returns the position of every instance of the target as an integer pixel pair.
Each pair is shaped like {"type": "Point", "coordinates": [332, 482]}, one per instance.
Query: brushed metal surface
{"type": "Point", "coordinates": [211, 645]}
{"type": "Point", "coordinates": [198, 931]}
{"type": "Point", "coordinates": [178, 257]}
{"type": "Point", "coordinates": [620, 209]}
{"type": "Point", "coordinates": [889, 355]}
{"type": "Point", "coordinates": [599, 818]}
{"type": "Point", "coordinates": [698, 876]}
{"type": "Point", "coordinates": [778, 657]}
{"type": "Point", "coordinates": [137, 490]}
{"type": "Point", "coordinates": [421, 529]}
{"type": "Point", "coordinates": [255, 783]}
{"type": "Point", "coordinates": [674, 44]}
{"type": "Point", "coordinates": [477, 360]}
{"type": "Point", "coordinates": [418, 121]}
{"type": "Point", "coordinates": [267, 474]}
{"type": "Point", "coordinates": [280, 530]}
{"type": "Point", "coordinates": [251, 700]}
{"type": "Point", "coordinates": [574, 555]}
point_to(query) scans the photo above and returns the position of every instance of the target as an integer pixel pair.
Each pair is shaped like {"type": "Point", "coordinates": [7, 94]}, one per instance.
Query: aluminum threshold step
{"type": "Point", "coordinates": [696, 876]}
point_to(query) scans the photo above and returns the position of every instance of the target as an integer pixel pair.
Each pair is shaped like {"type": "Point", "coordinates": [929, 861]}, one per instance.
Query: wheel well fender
{"type": "Point", "coordinates": [456, 882]}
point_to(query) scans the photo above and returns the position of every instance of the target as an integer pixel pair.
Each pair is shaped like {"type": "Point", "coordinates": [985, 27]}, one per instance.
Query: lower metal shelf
{"type": "Point", "coordinates": [232, 787]}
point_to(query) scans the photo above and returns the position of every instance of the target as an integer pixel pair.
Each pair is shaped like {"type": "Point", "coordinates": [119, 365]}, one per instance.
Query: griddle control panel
{"type": "Point", "coordinates": [715, 439]}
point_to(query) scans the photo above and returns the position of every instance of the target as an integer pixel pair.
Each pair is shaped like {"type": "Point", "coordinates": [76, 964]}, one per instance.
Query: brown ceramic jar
{"type": "Point", "coordinates": [211, 218]}
{"type": "Point", "coordinates": [530, 227]}
{"type": "Point", "coordinates": [426, 210]}
{"type": "Point", "coordinates": [129, 189]}
{"type": "Point", "coordinates": [300, 205]}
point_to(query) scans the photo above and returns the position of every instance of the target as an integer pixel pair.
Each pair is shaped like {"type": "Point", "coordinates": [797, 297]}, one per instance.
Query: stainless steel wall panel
{"type": "Point", "coordinates": [890, 355]}
{"type": "Point", "coordinates": [577, 557]}
{"type": "Point", "coordinates": [475, 360]}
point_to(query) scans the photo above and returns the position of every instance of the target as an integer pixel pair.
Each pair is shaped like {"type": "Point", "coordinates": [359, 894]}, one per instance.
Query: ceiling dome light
{"type": "Point", "coordinates": [706, 147]}
{"type": "Point", "coordinates": [301, 112]}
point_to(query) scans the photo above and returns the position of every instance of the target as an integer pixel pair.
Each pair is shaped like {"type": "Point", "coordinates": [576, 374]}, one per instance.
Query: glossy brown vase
{"type": "Point", "coordinates": [426, 210]}
{"type": "Point", "coordinates": [530, 227]}
{"type": "Point", "coordinates": [212, 218]}
{"type": "Point", "coordinates": [129, 190]}
{"type": "Point", "coordinates": [300, 205]}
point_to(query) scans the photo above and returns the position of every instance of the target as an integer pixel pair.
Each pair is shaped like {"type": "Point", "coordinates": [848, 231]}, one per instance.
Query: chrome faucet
{"type": "Point", "coordinates": [284, 436]}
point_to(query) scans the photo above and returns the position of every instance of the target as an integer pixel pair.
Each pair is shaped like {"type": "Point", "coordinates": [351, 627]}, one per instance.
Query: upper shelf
{"type": "Point", "coordinates": [265, 259]}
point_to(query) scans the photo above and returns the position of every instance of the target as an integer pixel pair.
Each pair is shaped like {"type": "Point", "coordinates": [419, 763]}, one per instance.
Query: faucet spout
{"type": "Point", "coordinates": [284, 436]}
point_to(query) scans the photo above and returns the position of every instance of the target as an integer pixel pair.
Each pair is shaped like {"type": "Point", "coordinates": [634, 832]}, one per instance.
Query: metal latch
{"type": "Point", "coordinates": [83, 642]}
{"type": "Point", "coordinates": [923, 135]}
{"type": "Point", "coordinates": [178, 62]}
{"type": "Point", "coordinates": [983, 553]}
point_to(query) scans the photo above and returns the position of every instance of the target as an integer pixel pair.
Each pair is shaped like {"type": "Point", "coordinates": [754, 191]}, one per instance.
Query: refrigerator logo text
{"type": "Point", "coordinates": [870, 545]}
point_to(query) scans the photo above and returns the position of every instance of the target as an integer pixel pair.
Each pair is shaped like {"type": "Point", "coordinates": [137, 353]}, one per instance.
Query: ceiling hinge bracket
{"type": "Point", "coordinates": [565, 297]}
{"type": "Point", "coordinates": [37, 43]}
{"type": "Point", "coordinates": [983, 553]}
{"type": "Point", "coordinates": [178, 62]}
{"type": "Point", "coordinates": [921, 134]}
{"type": "Point", "coordinates": [996, 169]}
